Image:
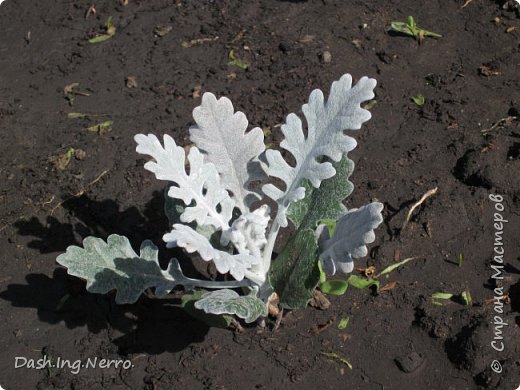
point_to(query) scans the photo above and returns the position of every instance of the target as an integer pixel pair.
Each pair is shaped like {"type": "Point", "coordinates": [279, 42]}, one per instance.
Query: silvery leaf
{"type": "Point", "coordinates": [114, 265]}
{"type": "Point", "coordinates": [220, 133]}
{"type": "Point", "coordinates": [353, 231]}
{"type": "Point", "coordinates": [326, 122]}
{"type": "Point", "coordinates": [187, 238]}
{"type": "Point", "coordinates": [247, 307]}
{"type": "Point", "coordinates": [201, 185]}
{"type": "Point", "coordinates": [247, 232]}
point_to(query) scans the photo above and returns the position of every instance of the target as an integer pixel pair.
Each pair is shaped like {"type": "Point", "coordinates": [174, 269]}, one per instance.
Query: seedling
{"type": "Point", "coordinates": [418, 100]}
{"type": "Point", "coordinates": [410, 28]}
{"type": "Point", "coordinates": [343, 323]}
{"type": "Point", "coordinates": [110, 32]}
{"type": "Point", "coordinates": [213, 211]}
{"type": "Point", "coordinates": [339, 287]}
{"type": "Point", "coordinates": [101, 128]}
{"type": "Point", "coordinates": [464, 297]}
{"type": "Point", "coordinates": [235, 61]}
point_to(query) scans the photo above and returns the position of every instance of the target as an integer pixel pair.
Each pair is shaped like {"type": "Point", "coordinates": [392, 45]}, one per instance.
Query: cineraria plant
{"type": "Point", "coordinates": [214, 211]}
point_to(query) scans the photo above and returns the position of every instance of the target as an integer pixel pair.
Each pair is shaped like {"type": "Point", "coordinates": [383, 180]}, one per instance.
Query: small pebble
{"type": "Point", "coordinates": [326, 57]}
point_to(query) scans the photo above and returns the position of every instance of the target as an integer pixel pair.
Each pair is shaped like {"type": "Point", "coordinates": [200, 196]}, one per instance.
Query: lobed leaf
{"type": "Point", "coordinates": [326, 122]}
{"type": "Point", "coordinates": [189, 239]}
{"type": "Point", "coordinates": [213, 206]}
{"type": "Point", "coordinates": [227, 301]}
{"type": "Point", "coordinates": [114, 265]}
{"type": "Point", "coordinates": [220, 133]}
{"type": "Point", "coordinates": [353, 231]}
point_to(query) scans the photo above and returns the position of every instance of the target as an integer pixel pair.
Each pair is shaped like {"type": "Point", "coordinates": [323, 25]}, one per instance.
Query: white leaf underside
{"type": "Point", "coordinates": [187, 238]}
{"type": "Point", "coordinates": [353, 231]}
{"type": "Point", "coordinates": [326, 122]}
{"type": "Point", "coordinates": [201, 185]}
{"type": "Point", "coordinates": [220, 133]}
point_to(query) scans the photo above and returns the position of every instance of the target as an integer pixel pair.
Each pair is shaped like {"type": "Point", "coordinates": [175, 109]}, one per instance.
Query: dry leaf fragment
{"type": "Point", "coordinates": [307, 38]}
{"type": "Point", "coordinates": [198, 41]}
{"type": "Point", "coordinates": [272, 305]}
{"type": "Point", "coordinates": [319, 301]}
{"type": "Point", "coordinates": [319, 328]}
{"type": "Point", "coordinates": [69, 88]}
{"type": "Point", "coordinates": [90, 10]}
{"type": "Point", "coordinates": [369, 271]}
{"type": "Point", "coordinates": [131, 82]}
{"type": "Point", "coordinates": [161, 31]}
{"type": "Point", "coordinates": [80, 154]}
{"type": "Point", "coordinates": [195, 93]}
{"type": "Point", "coordinates": [388, 286]}
{"type": "Point", "coordinates": [357, 43]}
{"type": "Point", "coordinates": [489, 69]}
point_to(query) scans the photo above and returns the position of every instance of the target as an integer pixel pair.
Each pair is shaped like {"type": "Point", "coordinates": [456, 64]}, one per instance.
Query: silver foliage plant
{"type": "Point", "coordinates": [214, 206]}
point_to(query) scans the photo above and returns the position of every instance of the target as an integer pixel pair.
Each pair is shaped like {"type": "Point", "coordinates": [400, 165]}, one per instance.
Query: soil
{"type": "Point", "coordinates": [144, 79]}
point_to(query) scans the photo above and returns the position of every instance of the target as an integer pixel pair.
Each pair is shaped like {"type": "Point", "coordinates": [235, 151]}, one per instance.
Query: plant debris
{"type": "Point", "coordinates": [62, 161]}
{"type": "Point", "coordinates": [198, 41]}
{"type": "Point", "coordinates": [161, 31]}
{"type": "Point", "coordinates": [131, 82]}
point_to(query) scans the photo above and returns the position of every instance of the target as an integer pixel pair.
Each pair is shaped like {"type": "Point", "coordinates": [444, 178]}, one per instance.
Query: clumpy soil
{"type": "Point", "coordinates": [150, 75]}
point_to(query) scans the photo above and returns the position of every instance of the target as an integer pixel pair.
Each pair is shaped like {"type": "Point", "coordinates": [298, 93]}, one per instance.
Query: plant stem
{"type": "Point", "coordinates": [269, 246]}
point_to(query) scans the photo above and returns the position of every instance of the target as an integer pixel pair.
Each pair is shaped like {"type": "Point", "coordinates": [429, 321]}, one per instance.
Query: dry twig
{"type": "Point", "coordinates": [426, 195]}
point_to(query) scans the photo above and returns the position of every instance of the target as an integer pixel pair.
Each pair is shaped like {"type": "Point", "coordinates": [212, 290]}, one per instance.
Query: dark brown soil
{"type": "Point", "coordinates": [470, 80]}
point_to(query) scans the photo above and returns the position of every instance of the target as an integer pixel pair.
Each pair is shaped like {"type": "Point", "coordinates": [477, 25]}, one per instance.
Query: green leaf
{"type": "Point", "coordinates": [100, 38]}
{"type": "Point", "coordinates": [361, 282]}
{"type": "Point", "coordinates": [442, 295]}
{"type": "Point", "coordinates": [294, 274]}
{"type": "Point", "coordinates": [212, 320]}
{"type": "Point", "coordinates": [330, 224]}
{"type": "Point", "coordinates": [110, 32]}
{"type": "Point", "coordinates": [370, 104]}
{"type": "Point", "coordinates": [343, 323]}
{"type": "Point", "coordinates": [324, 203]}
{"type": "Point", "coordinates": [247, 307]}
{"type": "Point", "coordinates": [235, 61]}
{"type": "Point", "coordinates": [334, 287]}
{"type": "Point", "coordinates": [75, 115]}
{"type": "Point", "coordinates": [411, 28]}
{"type": "Point", "coordinates": [392, 267]}
{"type": "Point", "coordinates": [401, 27]}
{"type": "Point", "coordinates": [466, 296]}
{"type": "Point", "coordinates": [410, 22]}
{"type": "Point", "coordinates": [419, 100]}
{"type": "Point", "coordinates": [323, 275]}
{"type": "Point", "coordinates": [101, 128]}
{"type": "Point", "coordinates": [114, 265]}
{"type": "Point", "coordinates": [297, 210]}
